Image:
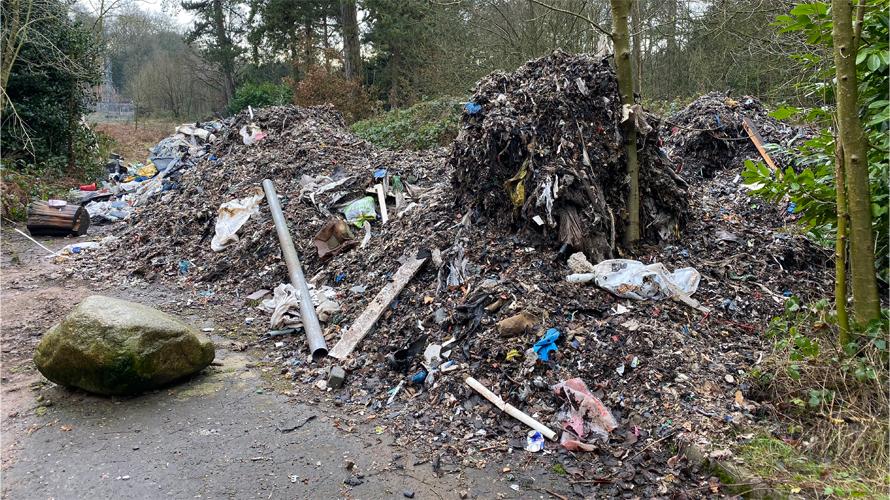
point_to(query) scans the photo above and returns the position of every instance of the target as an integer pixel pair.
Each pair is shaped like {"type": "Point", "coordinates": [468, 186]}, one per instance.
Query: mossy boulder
{"type": "Point", "coordinates": [111, 346]}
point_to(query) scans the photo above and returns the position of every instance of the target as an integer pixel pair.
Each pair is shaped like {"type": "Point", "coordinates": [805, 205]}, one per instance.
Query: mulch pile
{"type": "Point", "coordinates": [550, 135]}
{"type": "Point", "coordinates": [708, 135]}
{"type": "Point", "coordinates": [665, 370]}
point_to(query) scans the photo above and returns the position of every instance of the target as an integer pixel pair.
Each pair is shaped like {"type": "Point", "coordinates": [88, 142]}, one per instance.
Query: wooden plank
{"type": "Point", "coordinates": [754, 135]}
{"type": "Point", "coordinates": [381, 197]}
{"type": "Point", "coordinates": [371, 314]}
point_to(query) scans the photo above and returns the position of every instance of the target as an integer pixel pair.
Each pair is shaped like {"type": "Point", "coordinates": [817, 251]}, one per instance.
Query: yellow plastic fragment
{"type": "Point", "coordinates": [515, 186]}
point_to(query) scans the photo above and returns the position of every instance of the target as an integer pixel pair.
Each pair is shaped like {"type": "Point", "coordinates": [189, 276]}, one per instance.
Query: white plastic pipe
{"type": "Point", "coordinates": [511, 410]}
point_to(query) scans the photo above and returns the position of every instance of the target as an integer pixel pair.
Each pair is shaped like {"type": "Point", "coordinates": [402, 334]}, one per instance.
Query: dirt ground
{"type": "Point", "coordinates": [225, 433]}
{"type": "Point", "coordinates": [132, 142]}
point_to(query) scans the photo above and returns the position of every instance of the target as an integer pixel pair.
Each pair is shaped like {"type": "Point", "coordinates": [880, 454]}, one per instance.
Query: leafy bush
{"type": "Point", "coordinates": [422, 126]}
{"type": "Point", "coordinates": [349, 97]}
{"type": "Point", "coordinates": [812, 190]}
{"type": "Point", "coordinates": [258, 95]}
{"type": "Point", "coordinates": [48, 91]}
{"type": "Point", "coordinates": [22, 181]}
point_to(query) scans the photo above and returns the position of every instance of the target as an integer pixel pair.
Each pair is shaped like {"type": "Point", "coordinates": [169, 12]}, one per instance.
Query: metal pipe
{"type": "Point", "coordinates": [317, 345]}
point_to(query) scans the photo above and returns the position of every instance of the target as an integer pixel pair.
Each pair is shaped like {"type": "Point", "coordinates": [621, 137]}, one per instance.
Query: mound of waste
{"type": "Point", "coordinates": [543, 147]}
{"type": "Point", "coordinates": [615, 358]}
{"type": "Point", "coordinates": [709, 134]}
{"type": "Point", "coordinates": [216, 228]}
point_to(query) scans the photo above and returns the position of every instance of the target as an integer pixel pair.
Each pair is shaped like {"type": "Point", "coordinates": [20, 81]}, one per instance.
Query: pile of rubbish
{"type": "Point", "coordinates": [543, 146]}
{"type": "Point", "coordinates": [709, 134]}
{"type": "Point", "coordinates": [216, 229]}
{"type": "Point", "coordinates": [128, 186]}
{"type": "Point", "coordinates": [590, 359]}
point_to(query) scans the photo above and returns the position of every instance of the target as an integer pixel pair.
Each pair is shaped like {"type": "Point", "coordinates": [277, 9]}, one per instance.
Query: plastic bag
{"type": "Point", "coordinates": [360, 211]}
{"type": "Point", "coordinates": [585, 416]}
{"type": "Point", "coordinates": [634, 280]}
{"type": "Point", "coordinates": [251, 134]}
{"type": "Point", "coordinates": [148, 170]}
{"type": "Point", "coordinates": [233, 215]}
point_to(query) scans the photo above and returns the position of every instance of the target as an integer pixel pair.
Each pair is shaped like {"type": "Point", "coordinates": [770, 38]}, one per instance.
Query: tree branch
{"type": "Point", "coordinates": [578, 15]}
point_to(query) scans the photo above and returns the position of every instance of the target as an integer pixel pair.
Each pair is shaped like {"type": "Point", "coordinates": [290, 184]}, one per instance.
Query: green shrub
{"type": "Point", "coordinates": [835, 396]}
{"type": "Point", "coordinates": [258, 95]}
{"type": "Point", "coordinates": [812, 190]}
{"type": "Point", "coordinates": [423, 126]}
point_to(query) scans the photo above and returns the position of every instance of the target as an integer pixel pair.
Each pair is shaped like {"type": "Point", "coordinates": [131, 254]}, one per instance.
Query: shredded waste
{"type": "Point", "coordinates": [545, 150]}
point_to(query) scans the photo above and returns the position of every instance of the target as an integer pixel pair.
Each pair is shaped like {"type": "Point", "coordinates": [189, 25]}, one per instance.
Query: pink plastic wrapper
{"type": "Point", "coordinates": [584, 417]}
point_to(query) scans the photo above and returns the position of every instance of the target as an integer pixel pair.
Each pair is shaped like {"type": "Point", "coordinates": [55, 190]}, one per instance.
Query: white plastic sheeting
{"type": "Point", "coordinates": [232, 215]}
{"type": "Point", "coordinates": [285, 305]}
{"type": "Point", "coordinates": [634, 280]}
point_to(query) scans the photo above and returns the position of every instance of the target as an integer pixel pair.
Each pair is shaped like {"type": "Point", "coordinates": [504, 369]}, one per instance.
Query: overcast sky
{"type": "Point", "coordinates": [169, 8]}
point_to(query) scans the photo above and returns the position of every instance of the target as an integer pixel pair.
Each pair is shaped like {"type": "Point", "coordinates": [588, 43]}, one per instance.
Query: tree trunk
{"type": "Point", "coordinates": [638, 56]}
{"type": "Point", "coordinates": [623, 65]}
{"type": "Point", "coordinates": [866, 306]}
{"type": "Point", "coordinates": [294, 56]}
{"type": "Point", "coordinates": [394, 72]}
{"type": "Point", "coordinates": [326, 46]}
{"type": "Point", "coordinates": [352, 60]}
{"type": "Point", "coordinates": [672, 63]}
{"type": "Point", "coordinates": [73, 116]}
{"type": "Point", "coordinates": [308, 47]}
{"type": "Point", "coordinates": [225, 45]}
{"type": "Point", "coordinates": [840, 247]}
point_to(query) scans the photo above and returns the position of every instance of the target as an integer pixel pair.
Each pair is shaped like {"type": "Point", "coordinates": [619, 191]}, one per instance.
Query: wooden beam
{"type": "Point", "coordinates": [366, 321]}
{"type": "Point", "coordinates": [754, 135]}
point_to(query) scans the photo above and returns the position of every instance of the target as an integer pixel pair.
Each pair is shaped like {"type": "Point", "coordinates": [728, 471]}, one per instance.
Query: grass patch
{"type": "Point", "coordinates": [794, 472]}
{"type": "Point", "coordinates": [831, 402]}
{"type": "Point", "coordinates": [131, 141]}
{"type": "Point", "coordinates": [423, 126]}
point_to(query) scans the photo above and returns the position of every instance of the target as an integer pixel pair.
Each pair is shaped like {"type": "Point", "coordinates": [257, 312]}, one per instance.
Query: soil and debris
{"type": "Point", "coordinates": [664, 370]}
{"type": "Point", "coordinates": [709, 134]}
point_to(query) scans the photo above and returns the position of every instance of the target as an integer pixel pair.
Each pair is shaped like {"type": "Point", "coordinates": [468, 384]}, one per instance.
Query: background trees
{"type": "Point", "coordinates": [50, 63]}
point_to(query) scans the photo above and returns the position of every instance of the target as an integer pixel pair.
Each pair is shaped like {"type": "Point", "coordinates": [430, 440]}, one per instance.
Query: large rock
{"type": "Point", "coordinates": [112, 346]}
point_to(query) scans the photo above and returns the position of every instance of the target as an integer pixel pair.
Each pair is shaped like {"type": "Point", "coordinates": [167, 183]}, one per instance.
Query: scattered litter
{"type": "Point", "coordinates": [335, 237]}
{"type": "Point", "coordinates": [361, 211]}
{"type": "Point", "coordinates": [285, 305]}
{"type": "Point", "coordinates": [634, 280]}
{"type": "Point", "coordinates": [534, 441]}
{"type": "Point", "coordinates": [510, 409]}
{"type": "Point", "coordinates": [518, 324]}
{"type": "Point", "coordinates": [251, 134]}
{"type": "Point", "coordinates": [546, 344]}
